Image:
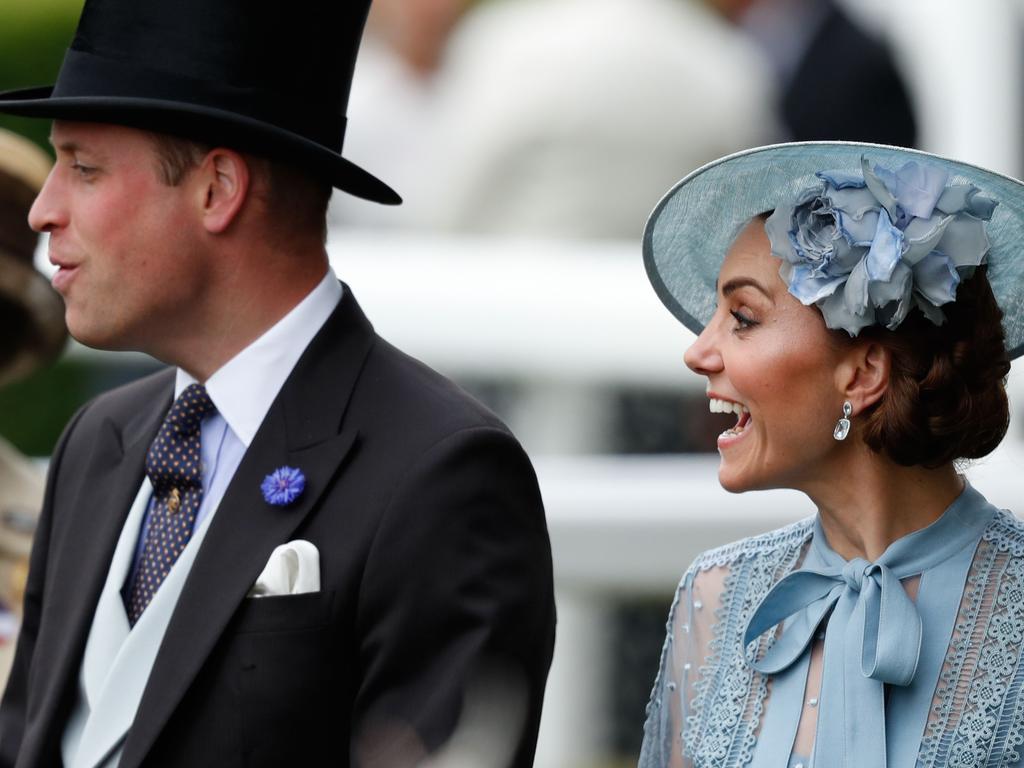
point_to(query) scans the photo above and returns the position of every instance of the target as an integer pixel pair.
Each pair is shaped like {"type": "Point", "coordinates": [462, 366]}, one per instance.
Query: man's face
{"type": "Point", "coordinates": [130, 267]}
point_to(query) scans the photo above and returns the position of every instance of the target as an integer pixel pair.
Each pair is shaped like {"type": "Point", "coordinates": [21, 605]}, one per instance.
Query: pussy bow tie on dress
{"type": "Point", "coordinates": [873, 636]}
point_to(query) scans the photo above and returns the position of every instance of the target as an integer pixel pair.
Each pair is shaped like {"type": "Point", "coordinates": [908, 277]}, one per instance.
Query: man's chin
{"type": "Point", "coordinates": [96, 338]}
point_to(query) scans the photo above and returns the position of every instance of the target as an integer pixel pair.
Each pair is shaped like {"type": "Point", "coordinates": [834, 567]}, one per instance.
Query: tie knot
{"type": "Point", "coordinates": [855, 571]}
{"type": "Point", "coordinates": [189, 409]}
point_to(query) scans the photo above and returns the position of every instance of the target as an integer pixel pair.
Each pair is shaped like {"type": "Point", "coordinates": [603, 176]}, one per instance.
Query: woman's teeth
{"type": "Point", "coordinates": [727, 406]}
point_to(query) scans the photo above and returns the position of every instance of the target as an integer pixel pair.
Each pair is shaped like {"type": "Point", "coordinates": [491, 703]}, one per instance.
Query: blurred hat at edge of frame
{"type": "Point", "coordinates": [23, 170]}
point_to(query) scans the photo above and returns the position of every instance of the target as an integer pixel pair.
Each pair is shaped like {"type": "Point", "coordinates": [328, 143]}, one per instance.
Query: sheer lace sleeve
{"type": "Point", "coordinates": [671, 711]}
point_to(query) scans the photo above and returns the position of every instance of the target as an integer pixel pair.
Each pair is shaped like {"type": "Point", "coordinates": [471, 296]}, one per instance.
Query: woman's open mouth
{"type": "Point", "coordinates": [718, 405]}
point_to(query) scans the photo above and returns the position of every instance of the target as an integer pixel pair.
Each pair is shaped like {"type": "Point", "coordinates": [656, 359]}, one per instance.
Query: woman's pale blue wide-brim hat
{"type": "Point", "coordinates": [691, 229]}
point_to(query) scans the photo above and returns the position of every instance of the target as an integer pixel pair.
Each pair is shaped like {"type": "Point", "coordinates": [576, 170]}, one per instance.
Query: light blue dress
{"type": "Point", "coordinates": [921, 681]}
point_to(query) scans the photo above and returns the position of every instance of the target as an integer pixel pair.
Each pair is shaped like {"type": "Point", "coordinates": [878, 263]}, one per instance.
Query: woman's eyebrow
{"type": "Point", "coordinates": [736, 283]}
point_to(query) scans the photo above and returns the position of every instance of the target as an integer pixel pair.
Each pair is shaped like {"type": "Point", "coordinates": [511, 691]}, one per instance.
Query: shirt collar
{"type": "Point", "coordinates": [244, 388]}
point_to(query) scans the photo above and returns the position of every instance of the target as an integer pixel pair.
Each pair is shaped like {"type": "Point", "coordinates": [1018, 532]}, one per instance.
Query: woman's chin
{"type": "Point", "coordinates": [733, 481]}
{"type": "Point", "coordinates": [737, 477]}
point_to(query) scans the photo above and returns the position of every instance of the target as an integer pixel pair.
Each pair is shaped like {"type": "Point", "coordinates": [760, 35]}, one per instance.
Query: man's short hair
{"type": "Point", "coordinates": [295, 198]}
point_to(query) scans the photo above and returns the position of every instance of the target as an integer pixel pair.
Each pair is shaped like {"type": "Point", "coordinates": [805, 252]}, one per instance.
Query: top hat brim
{"type": "Point", "coordinates": [695, 223]}
{"type": "Point", "coordinates": [208, 125]}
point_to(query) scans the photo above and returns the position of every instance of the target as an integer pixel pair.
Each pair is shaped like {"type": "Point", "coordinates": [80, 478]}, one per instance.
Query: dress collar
{"type": "Point", "coordinates": [960, 525]}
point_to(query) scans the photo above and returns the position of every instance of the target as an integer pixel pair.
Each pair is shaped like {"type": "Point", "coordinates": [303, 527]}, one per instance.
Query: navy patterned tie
{"type": "Point", "coordinates": [173, 467]}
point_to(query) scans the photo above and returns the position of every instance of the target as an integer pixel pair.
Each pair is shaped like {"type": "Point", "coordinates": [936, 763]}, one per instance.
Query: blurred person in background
{"type": "Point", "coordinates": [857, 309]}
{"type": "Point", "coordinates": [294, 545]}
{"type": "Point", "coordinates": [415, 31]}
{"type": "Point", "coordinates": [835, 79]}
{"type": "Point", "coordinates": [32, 333]}
{"type": "Point", "coordinates": [394, 91]}
{"type": "Point", "coordinates": [563, 118]}
{"type": "Point", "coordinates": [567, 118]}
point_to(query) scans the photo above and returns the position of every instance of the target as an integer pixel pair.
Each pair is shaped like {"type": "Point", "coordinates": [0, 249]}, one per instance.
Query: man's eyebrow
{"type": "Point", "coordinates": [67, 145]}
{"type": "Point", "coordinates": [72, 147]}
{"type": "Point", "coordinates": [742, 282]}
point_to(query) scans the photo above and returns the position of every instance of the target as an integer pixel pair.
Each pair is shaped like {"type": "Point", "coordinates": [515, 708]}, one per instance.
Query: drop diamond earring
{"type": "Point", "coordinates": [843, 425]}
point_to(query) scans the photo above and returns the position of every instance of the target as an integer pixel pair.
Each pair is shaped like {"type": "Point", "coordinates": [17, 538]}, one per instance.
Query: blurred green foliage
{"type": "Point", "coordinates": [33, 411]}
{"type": "Point", "coordinates": [33, 37]}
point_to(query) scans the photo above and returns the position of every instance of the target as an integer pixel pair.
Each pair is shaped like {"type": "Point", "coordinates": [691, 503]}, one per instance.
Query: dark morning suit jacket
{"type": "Point", "coordinates": [434, 558]}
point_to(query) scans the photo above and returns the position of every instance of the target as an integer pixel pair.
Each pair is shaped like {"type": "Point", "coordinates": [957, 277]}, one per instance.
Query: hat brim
{"type": "Point", "coordinates": [692, 227]}
{"type": "Point", "coordinates": [206, 124]}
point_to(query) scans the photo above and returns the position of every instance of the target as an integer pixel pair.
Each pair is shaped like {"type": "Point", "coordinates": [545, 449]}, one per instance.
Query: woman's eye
{"type": "Point", "coordinates": [742, 321]}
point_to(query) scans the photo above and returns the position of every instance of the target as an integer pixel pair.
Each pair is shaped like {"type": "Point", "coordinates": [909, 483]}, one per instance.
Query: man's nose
{"type": "Point", "coordinates": [47, 212]}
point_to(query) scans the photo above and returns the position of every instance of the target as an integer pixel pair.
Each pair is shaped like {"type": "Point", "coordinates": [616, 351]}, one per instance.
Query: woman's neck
{"type": "Point", "coordinates": [875, 502]}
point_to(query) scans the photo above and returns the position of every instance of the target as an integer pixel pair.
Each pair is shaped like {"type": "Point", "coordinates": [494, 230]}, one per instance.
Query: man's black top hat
{"type": "Point", "coordinates": [264, 76]}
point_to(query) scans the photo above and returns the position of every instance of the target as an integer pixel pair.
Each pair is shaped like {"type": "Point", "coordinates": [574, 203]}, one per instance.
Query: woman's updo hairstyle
{"type": "Point", "coordinates": [946, 398]}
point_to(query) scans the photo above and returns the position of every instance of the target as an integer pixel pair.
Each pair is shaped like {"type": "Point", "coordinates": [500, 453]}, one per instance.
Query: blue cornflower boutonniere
{"type": "Point", "coordinates": [283, 486]}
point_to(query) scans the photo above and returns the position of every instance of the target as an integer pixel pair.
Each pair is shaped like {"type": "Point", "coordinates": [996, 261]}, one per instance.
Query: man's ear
{"type": "Point", "coordinates": [223, 184]}
{"type": "Point", "coordinates": [863, 374]}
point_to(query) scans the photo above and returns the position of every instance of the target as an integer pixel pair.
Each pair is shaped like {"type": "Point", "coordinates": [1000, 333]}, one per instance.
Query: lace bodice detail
{"type": "Point", "coordinates": [709, 705]}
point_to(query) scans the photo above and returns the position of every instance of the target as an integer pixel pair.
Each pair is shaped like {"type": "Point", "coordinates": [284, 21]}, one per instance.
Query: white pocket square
{"type": "Point", "coordinates": [293, 568]}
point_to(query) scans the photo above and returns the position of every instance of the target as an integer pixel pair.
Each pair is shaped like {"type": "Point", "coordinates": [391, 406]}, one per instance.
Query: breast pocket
{"type": "Point", "coordinates": [285, 651]}
{"type": "Point", "coordinates": [284, 612]}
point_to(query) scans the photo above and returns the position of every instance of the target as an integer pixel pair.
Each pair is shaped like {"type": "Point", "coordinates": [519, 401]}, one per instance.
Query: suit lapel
{"type": "Point", "coordinates": [113, 477]}
{"type": "Point", "coordinates": [302, 429]}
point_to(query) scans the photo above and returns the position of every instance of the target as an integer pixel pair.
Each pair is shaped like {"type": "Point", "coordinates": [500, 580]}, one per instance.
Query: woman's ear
{"type": "Point", "coordinates": [863, 374]}
{"type": "Point", "coordinates": [223, 183]}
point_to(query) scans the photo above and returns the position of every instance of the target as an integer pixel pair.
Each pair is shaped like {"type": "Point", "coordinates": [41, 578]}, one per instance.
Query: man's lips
{"type": "Point", "coordinates": [61, 262]}
{"type": "Point", "coordinates": [66, 271]}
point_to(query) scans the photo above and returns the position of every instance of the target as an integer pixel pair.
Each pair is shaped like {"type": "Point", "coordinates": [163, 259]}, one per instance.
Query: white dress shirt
{"type": "Point", "coordinates": [243, 390]}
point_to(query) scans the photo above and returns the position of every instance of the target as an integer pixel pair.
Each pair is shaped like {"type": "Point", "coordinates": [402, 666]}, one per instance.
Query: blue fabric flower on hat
{"type": "Point", "coordinates": [283, 486]}
{"type": "Point", "coordinates": [866, 248]}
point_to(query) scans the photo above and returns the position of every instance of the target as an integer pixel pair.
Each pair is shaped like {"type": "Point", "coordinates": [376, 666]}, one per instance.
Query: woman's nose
{"type": "Point", "coordinates": [703, 356]}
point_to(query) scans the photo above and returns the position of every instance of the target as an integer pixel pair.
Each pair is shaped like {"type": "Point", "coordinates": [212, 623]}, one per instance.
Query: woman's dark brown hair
{"type": "Point", "coordinates": [946, 398]}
